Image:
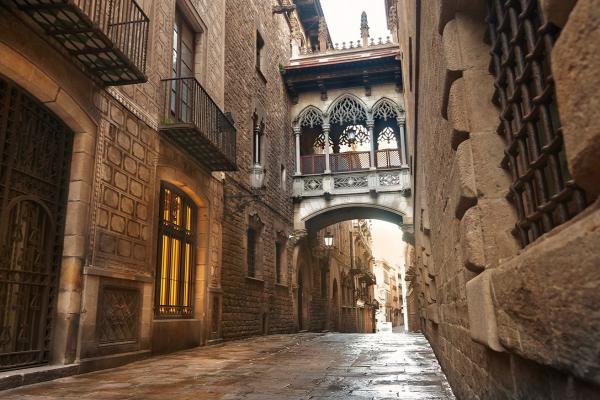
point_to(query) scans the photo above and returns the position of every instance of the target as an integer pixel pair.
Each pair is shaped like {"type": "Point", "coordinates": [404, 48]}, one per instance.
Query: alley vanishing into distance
{"type": "Point", "coordinates": [297, 366]}
{"type": "Point", "coordinates": [300, 199]}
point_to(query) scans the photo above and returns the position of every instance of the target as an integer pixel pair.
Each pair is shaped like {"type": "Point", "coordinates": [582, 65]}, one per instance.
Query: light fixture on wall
{"type": "Point", "coordinates": [257, 179]}
{"type": "Point", "coordinates": [328, 240]}
{"type": "Point", "coordinates": [351, 134]}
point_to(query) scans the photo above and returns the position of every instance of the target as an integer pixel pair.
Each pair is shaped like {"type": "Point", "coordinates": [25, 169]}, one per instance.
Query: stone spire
{"type": "Point", "coordinates": [364, 29]}
{"type": "Point", "coordinates": [392, 23]}
{"type": "Point", "coordinates": [322, 34]}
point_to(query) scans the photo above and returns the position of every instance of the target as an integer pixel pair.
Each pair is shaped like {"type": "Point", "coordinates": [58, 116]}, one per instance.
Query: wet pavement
{"type": "Point", "coordinates": [300, 366]}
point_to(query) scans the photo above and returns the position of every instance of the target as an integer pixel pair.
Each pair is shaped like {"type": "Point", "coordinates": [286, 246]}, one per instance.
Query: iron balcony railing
{"type": "Point", "coordinates": [351, 161]}
{"type": "Point", "coordinates": [313, 164]}
{"type": "Point", "coordinates": [388, 158]}
{"type": "Point", "coordinates": [194, 122]}
{"type": "Point", "coordinates": [368, 277]}
{"type": "Point", "coordinates": [108, 37]}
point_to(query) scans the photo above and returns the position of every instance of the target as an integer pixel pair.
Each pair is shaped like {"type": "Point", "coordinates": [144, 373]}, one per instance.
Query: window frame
{"type": "Point", "coordinates": [259, 52]}
{"type": "Point", "coordinates": [187, 237]}
{"type": "Point", "coordinates": [180, 86]}
{"type": "Point", "coordinates": [279, 252]}
{"type": "Point", "coordinates": [251, 251]}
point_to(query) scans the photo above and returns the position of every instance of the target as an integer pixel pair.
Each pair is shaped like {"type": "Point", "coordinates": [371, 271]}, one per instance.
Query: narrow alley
{"type": "Point", "coordinates": [300, 199]}
{"type": "Point", "coordinates": [298, 366]}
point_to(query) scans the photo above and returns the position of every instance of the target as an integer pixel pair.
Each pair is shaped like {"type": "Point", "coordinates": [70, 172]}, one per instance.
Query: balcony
{"type": "Point", "coordinates": [109, 39]}
{"type": "Point", "coordinates": [369, 181]}
{"type": "Point", "coordinates": [314, 164]}
{"type": "Point", "coordinates": [368, 277]}
{"type": "Point", "coordinates": [193, 121]}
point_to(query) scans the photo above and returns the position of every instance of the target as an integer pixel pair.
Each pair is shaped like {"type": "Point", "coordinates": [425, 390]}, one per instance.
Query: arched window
{"type": "Point", "coordinates": [176, 245]}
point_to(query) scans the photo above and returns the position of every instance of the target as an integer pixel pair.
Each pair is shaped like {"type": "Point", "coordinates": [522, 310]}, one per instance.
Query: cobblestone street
{"type": "Point", "coordinates": [301, 366]}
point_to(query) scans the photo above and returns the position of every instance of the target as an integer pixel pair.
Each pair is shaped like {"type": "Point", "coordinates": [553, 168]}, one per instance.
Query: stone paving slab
{"type": "Point", "coordinates": [303, 366]}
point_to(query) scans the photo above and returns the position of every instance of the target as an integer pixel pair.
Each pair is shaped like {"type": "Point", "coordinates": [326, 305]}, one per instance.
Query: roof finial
{"type": "Point", "coordinates": [322, 35]}
{"type": "Point", "coordinates": [364, 29]}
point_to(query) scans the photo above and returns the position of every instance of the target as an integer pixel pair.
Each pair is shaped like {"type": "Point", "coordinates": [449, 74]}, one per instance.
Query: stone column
{"type": "Point", "coordinates": [403, 153]}
{"type": "Point", "coordinates": [370, 125]}
{"type": "Point", "coordinates": [326, 129]}
{"type": "Point", "coordinates": [297, 130]}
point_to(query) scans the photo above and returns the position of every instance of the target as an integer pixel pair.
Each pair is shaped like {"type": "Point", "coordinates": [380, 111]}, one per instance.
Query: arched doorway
{"type": "Point", "coordinates": [304, 280]}
{"type": "Point", "coordinates": [35, 154]}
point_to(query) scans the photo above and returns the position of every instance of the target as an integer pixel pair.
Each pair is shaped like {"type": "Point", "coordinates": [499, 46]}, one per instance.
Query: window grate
{"type": "Point", "coordinates": [542, 190]}
{"type": "Point", "coordinates": [35, 155]}
{"type": "Point", "coordinates": [176, 254]}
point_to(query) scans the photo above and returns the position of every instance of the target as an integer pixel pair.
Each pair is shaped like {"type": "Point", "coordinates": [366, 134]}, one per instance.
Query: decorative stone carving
{"type": "Point", "coordinates": [386, 109]}
{"type": "Point", "coordinates": [118, 315]}
{"type": "Point", "coordinates": [350, 182]}
{"type": "Point", "coordinates": [322, 34]}
{"type": "Point", "coordinates": [310, 117]}
{"type": "Point", "coordinates": [313, 184]}
{"type": "Point", "coordinates": [389, 179]}
{"type": "Point", "coordinates": [347, 109]}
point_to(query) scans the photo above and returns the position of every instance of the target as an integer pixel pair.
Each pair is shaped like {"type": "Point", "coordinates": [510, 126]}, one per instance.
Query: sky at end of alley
{"type": "Point", "coordinates": [387, 242]}
{"type": "Point", "coordinates": [343, 19]}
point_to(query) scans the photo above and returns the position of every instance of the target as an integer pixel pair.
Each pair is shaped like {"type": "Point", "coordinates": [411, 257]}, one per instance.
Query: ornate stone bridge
{"type": "Point", "coordinates": [325, 199]}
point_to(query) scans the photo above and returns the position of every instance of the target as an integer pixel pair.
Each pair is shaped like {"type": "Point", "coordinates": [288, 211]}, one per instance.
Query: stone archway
{"type": "Point", "coordinates": [67, 106]}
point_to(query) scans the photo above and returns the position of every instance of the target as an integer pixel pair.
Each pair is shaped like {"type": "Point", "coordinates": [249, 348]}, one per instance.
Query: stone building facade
{"type": "Point", "coordinates": [387, 293]}
{"type": "Point", "coordinates": [258, 293]}
{"type": "Point", "coordinates": [335, 283]}
{"type": "Point", "coordinates": [504, 144]}
{"type": "Point", "coordinates": [106, 305]}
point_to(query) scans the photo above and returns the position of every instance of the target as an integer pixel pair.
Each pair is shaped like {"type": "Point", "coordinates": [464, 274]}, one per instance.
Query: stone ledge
{"type": "Point", "coordinates": [255, 280]}
{"type": "Point", "coordinates": [111, 361]}
{"type": "Point", "coordinates": [482, 321]}
{"type": "Point", "coordinates": [111, 273]}
{"type": "Point", "coordinates": [546, 305]}
{"type": "Point", "coordinates": [29, 376]}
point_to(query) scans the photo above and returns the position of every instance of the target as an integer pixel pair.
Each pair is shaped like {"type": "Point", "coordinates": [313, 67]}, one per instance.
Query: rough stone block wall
{"type": "Point", "coordinates": [246, 300]}
{"type": "Point", "coordinates": [475, 307]}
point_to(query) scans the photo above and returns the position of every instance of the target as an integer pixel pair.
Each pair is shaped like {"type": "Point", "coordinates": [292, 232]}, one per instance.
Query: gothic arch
{"type": "Point", "coordinates": [310, 117]}
{"type": "Point", "coordinates": [386, 108]}
{"type": "Point", "coordinates": [347, 109]}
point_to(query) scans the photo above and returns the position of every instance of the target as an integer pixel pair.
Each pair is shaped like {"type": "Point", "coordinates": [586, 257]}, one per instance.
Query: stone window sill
{"type": "Point", "coordinates": [257, 280]}
{"type": "Point", "coordinates": [281, 285]}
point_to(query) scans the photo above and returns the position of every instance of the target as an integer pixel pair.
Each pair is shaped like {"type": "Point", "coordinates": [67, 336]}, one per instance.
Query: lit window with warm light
{"type": "Point", "coordinates": [175, 272]}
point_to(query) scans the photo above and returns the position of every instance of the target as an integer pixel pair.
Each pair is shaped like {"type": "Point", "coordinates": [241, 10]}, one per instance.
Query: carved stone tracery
{"type": "Point", "coordinates": [347, 110]}
{"type": "Point", "coordinates": [385, 109]}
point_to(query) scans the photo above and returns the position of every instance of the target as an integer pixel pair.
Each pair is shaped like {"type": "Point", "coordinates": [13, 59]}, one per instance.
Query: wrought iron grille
{"type": "Point", "coordinates": [109, 37]}
{"type": "Point", "coordinates": [194, 121]}
{"type": "Point", "coordinates": [313, 164]}
{"type": "Point", "coordinates": [176, 254]}
{"type": "Point", "coordinates": [351, 161]}
{"type": "Point", "coordinates": [35, 153]}
{"type": "Point", "coordinates": [542, 190]}
{"type": "Point", "coordinates": [389, 158]}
